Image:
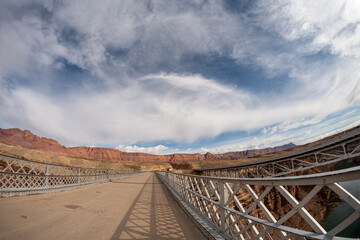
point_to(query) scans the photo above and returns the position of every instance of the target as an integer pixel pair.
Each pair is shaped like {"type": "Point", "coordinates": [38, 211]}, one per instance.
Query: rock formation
{"type": "Point", "coordinates": [17, 137]}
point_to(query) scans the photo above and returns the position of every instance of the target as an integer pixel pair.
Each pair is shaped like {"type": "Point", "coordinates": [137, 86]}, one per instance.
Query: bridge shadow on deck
{"type": "Point", "coordinates": [152, 216]}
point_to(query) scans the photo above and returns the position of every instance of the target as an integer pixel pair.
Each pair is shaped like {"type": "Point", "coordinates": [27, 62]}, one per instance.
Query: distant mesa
{"type": "Point", "coordinates": [26, 139]}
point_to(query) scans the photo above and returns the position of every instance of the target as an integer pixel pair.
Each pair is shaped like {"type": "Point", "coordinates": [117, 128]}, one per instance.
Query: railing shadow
{"type": "Point", "coordinates": [150, 216]}
{"type": "Point", "coordinates": [136, 183]}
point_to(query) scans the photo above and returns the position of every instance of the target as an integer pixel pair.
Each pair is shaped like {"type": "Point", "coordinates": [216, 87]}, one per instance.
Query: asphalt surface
{"type": "Point", "coordinates": [138, 207]}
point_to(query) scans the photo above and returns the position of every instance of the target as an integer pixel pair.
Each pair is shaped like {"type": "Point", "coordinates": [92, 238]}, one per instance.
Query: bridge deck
{"type": "Point", "coordinates": [138, 207]}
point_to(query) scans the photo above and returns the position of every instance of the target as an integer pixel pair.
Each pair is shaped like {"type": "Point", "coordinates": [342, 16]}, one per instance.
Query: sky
{"type": "Point", "coordinates": [180, 76]}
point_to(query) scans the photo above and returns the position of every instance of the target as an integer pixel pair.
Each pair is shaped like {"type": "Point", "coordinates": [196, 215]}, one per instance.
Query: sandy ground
{"type": "Point", "coordinates": [138, 207]}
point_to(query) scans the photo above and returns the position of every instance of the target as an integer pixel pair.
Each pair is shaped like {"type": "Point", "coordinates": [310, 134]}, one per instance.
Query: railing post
{"type": "Point", "coordinates": [167, 177]}
{"type": "Point", "coordinates": [96, 175]}
{"type": "Point", "coordinates": [223, 199]}
{"type": "Point", "coordinates": [108, 176]}
{"type": "Point", "coordinates": [47, 176]}
{"type": "Point", "coordinates": [78, 173]}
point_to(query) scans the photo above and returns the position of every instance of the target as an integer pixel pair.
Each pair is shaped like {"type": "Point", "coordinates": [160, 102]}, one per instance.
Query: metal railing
{"type": "Point", "coordinates": [341, 147]}
{"type": "Point", "coordinates": [22, 177]}
{"type": "Point", "coordinates": [267, 208]}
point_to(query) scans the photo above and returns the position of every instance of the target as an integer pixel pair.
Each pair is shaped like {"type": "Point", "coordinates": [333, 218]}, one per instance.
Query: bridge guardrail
{"type": "Point", "coordinates": [23, 177]}
{"type": "Point", "coordinates": [267, 208]}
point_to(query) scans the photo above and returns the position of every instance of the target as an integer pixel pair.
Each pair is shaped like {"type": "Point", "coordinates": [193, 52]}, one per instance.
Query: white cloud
{"type": "Point", "coordinates": [158, 32]}
{"type": "Point", "coordinates": [227, 148]}
{"type": "Point", "coordinates": [253, 144]}
{"type": "Point", "coordinates": [138, 114]}
{"type": "Point", "coordinates": [246, 144]}
{"type": "Point", "coordinates": [151, 150]}
{"type": "Point", "coordinates": [202, 150]}
{"type": "Point", "coordinates": [332, 132]}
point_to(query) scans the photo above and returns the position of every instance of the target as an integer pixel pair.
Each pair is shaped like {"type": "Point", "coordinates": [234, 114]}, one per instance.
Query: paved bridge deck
{"type": "Point", "coordinates": [138, 207]}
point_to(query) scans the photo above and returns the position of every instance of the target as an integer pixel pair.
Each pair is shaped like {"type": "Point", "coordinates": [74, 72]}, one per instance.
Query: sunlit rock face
{"type": "Point", "coordinates": [17, 137]}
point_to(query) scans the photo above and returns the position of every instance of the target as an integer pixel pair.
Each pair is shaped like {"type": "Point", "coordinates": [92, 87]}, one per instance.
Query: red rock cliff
{"type": "Point", "coordinates": [17, 137]}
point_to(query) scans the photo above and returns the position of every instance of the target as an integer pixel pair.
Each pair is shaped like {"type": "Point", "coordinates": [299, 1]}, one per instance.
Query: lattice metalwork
{"type": "Point", "coordinates": [18, 176]}
{"type": "Point", "coordinates": [268, 208]}
{"type": "Point", "coordinates": [342, 147]}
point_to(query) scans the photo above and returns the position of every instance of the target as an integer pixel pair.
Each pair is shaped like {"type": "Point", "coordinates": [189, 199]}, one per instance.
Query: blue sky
{"type": "Point", "coordinates": [180, 76]}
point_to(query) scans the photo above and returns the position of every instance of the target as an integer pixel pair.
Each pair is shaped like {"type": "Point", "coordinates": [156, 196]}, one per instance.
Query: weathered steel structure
{"type": "Point", "coordinates": [22, 177]}
{"type": "Point", "coordinates": [341, 147]}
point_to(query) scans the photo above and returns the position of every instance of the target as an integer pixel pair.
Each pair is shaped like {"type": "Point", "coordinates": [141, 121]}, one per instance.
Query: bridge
{"type": "Point", "coordinates": [272, 199]}
{"type": "Point", "coordinates": [137, 207]}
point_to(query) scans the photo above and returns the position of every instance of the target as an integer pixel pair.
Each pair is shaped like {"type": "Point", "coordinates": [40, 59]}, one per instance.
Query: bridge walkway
{"type": "Point", "coordinates": [138, 207]}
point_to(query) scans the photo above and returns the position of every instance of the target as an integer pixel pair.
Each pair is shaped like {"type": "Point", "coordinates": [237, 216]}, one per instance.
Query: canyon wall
{"type": "Point", "coordinates": [26, 139]}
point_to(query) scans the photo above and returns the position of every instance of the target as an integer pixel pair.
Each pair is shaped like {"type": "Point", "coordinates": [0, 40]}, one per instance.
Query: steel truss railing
{"type": "Point", "coordinates": [242, 208]}
{"type": "Point", "coordinates": [336, 149]}
{"type": "Point", "coordinates": [22, 177]}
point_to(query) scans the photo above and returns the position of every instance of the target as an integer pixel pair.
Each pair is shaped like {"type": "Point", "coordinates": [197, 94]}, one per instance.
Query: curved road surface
{"type": "Point", "coordinates": [138, 207]}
